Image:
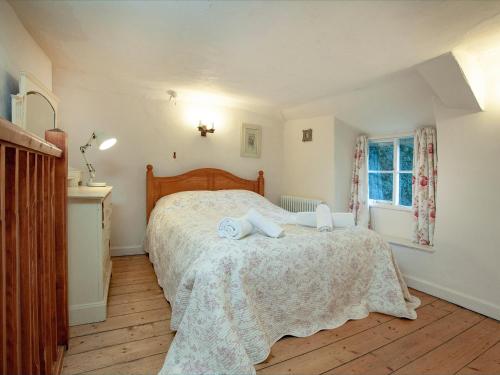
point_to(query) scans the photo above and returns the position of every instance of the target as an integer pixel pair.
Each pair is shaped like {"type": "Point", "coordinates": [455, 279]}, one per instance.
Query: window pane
{"type": "Point", "coordinates": [380, 186]}
{"type": "Point", "coordinates": [405, 189]}
{"type": "Point", "coordinates": [406, 154]}
{"type": "Point", "coordinates": [380, 156]}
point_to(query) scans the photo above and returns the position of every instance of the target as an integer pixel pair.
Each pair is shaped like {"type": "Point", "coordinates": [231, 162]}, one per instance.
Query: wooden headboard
{"type": "Point", "coordinates": [197, 179]}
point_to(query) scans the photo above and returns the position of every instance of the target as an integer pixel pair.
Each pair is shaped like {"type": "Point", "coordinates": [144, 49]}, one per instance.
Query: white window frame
{"type": "Point", "coordinates": [394, 203]}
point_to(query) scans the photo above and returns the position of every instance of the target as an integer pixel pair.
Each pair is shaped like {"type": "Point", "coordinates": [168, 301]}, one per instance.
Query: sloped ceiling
{"type": "Point", "coordinates": [395, 104]}
{"type": "Point", "coordinates": [448, 80]}
{"type": "Point", "coordinates": [269, 55]}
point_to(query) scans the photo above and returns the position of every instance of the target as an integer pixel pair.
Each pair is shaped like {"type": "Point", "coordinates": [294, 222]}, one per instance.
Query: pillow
{"type": "Point", "coordinates": [343, 219]}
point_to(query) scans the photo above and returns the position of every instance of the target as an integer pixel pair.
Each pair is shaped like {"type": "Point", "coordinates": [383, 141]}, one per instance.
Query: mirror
{"type": "Point", "coordinates": [40, 115]}
{"type": "Point", "coordinates": [35, 107]}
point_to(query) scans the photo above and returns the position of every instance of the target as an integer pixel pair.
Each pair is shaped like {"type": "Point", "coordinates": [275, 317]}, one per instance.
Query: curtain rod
{"type": "Point", "coordinates": [400, 135]}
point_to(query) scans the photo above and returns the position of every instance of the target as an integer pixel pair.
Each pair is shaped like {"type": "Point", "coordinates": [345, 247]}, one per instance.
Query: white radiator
{"type": "Point", "coordinates": [298, 204]}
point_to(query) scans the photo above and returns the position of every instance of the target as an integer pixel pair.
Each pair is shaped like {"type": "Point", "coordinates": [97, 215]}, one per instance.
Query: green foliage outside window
{"type": "Point", "coordinates": [380, 186]}
{"type": "Point", "coordinates": [405, 189]}
{"type": "Point", "coordinates": [406, 154]}
{"type": "Point", "coordinates": [381, 164]}
{"type": "Point", "coordinates": [381, 156]}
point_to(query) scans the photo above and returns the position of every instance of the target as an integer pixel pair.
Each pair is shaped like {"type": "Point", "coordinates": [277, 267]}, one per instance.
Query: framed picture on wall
{"type": "Point", "coordinates": [251, 140]}
{"type": "Point", "coordinates": [307, 135]}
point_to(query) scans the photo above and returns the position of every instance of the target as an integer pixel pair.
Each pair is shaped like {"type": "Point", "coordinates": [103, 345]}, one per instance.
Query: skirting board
{"type": "Point", "coordinates": [469, 302]}
{"type": "Point", "coordinates": [87, 313]}
{"type": "Point", "coordinates": [118, 251]}
{"type": "Point", "coordinates": [94, 311]}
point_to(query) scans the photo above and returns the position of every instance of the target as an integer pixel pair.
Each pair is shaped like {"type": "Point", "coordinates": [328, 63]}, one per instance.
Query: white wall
{"type": "Point", "coordinates": [394, 222]}
{"type": "Point", "coordinates": [18, 52]}
{"type": "Point", "coordinates": [149, 131]}
{"type": "Point", "coordinates": [345, 139]}
{"type": "Point", "coordinates": [321, 168]}
{"type": "Point", "coordinates": [465, 265]}
{"type": "Point", "coordinates": [309, 166]}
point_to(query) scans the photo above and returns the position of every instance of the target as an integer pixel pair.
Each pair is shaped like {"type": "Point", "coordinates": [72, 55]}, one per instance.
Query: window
{"type": "Point", "coordinates": [390, 169]}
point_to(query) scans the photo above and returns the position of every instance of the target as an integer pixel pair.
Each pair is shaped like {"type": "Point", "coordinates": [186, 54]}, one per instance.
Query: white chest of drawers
{"type": "Point", "coordinates": [89, 268]}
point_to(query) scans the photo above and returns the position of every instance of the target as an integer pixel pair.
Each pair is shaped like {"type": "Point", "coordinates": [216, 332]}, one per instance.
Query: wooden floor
{"type": "Point", "coordinates": [445, 339]}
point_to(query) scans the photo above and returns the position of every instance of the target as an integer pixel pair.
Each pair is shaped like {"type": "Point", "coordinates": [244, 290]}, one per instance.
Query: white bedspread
{"type": "Point", "coordinates": [232, 300]}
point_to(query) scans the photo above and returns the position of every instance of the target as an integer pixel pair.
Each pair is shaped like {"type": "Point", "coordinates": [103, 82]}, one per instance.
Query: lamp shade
{"type": "Point", "coordinates": [104, 141]}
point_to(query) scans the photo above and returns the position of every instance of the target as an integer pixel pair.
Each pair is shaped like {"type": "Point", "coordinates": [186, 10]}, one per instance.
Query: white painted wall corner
{"type": "Point", "coordinates": [119, 251]}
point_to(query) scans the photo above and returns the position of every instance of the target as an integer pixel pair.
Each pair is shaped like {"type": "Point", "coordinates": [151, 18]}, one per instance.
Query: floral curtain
{"type": "Point", "coordinates": [358, 203]}
{"type": "Point", "coordinates": [424, 185]}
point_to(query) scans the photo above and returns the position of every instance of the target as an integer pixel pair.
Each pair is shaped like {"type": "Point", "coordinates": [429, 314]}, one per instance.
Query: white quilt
{"type": "Point", "coordinates": [232, 300]}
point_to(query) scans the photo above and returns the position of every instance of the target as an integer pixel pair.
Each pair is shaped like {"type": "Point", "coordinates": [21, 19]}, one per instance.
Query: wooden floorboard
{"type": "Point", "coordinates": [133, 280]}
{"type": "Point", "coordinates": [133, 297]}
{"type": "Point", "coordinates": [290, 347]}
{"type": "Point", "coordinates": [117, 336]}
{"type": "Point", "coordinates": [487, 363]}
{"type": "Point", "coordinates": [456, 353]}
{"type": "Point", "coordinates": [444, 339]}
{"type": "Point", "coordinates": [121, 321]}
{"type": "Point", "coordinates": [111, 355]}
{"type": "Point", "coordinates": [398, 353]}
{"type": "Point", "coordinates": [137, 287]}
{"type": "Point", "coordinates": [328, 357]}
{"type": "Point", "coordinates": [157, 302]}
{"type": "Point", "coordinates": [143, 366]}
{"type": "Point", "coordinates": [128, 275]}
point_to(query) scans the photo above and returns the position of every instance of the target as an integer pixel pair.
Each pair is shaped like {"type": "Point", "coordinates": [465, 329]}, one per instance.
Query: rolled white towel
{"type": "Point", "coordinates": [343, 219]}
{"type": "Point", "coordinates": [340, 219]}
{"type": "Point", "coordinates": [268, 227]}
{"type": "Point", "coordinates": [307, 219]}
{"type": "Point", "coordinates": [324, 221]}
{"type": "Point", "coordinates": [234, 228]}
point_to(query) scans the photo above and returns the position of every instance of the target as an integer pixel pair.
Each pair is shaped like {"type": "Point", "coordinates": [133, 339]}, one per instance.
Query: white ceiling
{"type": "Point", "coordinates": [276, 54]}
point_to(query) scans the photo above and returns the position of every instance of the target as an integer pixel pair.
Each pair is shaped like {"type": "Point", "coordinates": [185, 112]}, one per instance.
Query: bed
{"type": "Point", "coordinates": [232, 300]}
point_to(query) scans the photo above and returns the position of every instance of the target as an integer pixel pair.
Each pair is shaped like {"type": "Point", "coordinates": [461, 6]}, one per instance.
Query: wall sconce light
{"type": "Point", "coordinates": [204, 130]}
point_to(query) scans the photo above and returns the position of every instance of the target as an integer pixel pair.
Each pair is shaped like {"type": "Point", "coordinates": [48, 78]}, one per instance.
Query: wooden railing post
{"type": "Point", "coordinates": [59, 138]}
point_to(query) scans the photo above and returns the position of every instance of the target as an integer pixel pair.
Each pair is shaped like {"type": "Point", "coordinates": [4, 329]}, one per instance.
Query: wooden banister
{"type": "Point", "coordinates": [10, 133]}
{"type": "Point", "coordinates": [60, 139]}
{"type": "Point", "coordinates": [33, 258]}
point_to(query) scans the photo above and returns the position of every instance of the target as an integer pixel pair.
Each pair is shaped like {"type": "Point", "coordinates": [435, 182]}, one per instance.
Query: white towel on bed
{"type": "Point", "coordinates": [307, 219]}
{"type": "Point", "coordinates": [324, 221]}
{"type": "Point", "coordinates": [343, 219]}
{"type": "Point", "coordinates": [340, 219]}
{"type": "Point", "coordinates": [234, 228]}
{"type": "Point", "coordinates": [267, 226]}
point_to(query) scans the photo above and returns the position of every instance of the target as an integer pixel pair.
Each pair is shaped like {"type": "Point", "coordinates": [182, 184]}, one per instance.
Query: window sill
{"type": "Point", "coordinates": [407, 243]}
{"type": "Point", "coordinates": [391, 207]}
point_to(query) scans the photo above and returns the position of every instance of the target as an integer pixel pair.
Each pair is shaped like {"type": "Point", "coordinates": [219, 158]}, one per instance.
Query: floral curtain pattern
{"type": "Point", "coordinates": [424, 185]}
{"type": "Point", "coordinates": [358, 203]}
